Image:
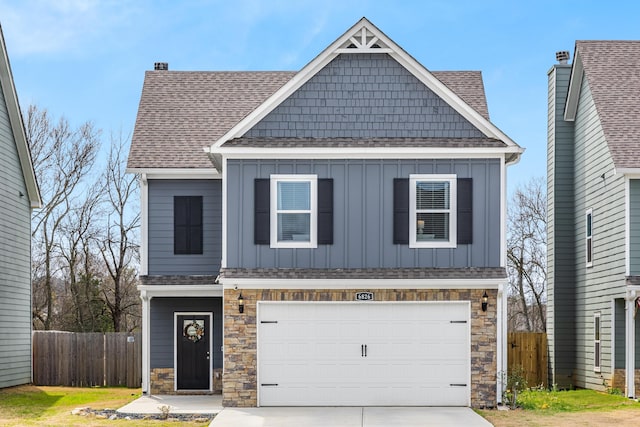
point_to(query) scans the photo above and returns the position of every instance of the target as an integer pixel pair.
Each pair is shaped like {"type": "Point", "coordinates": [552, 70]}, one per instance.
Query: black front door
{"type": "Point", "coordinates": [193, 352]}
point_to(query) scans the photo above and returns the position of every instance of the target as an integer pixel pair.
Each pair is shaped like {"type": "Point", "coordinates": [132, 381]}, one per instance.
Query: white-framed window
{"type": "Point", "coordinates": [597, 350]}
{"type": "Point", "coordinates": [589, 237]}
{"type": "Point", "coordinates": [294, 211]}
{"type": "Point", "coordinates": [432, 211]}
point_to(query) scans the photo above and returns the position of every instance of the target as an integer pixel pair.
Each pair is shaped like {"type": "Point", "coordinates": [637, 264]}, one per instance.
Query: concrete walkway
{"type": "Point", "coordinates": [198, 404]}
{"type": "Point", "coordinates": [308, 417]}
{"type": "Point", "coordinates": [349, 417]}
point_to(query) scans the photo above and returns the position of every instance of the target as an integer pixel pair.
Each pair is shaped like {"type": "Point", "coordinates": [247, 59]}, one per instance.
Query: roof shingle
{"type": "Point", "coordinates": [612, 69]}
{"type": "Point", "coordinates": [180, 112]}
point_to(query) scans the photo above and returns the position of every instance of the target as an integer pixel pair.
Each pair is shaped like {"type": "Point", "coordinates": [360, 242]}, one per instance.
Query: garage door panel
{"type": "Point", "coordinates": [315, 354]}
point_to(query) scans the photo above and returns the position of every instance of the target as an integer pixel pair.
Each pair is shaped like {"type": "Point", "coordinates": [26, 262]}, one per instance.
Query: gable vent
{"type": "Point", "coordinates": [161, 66]}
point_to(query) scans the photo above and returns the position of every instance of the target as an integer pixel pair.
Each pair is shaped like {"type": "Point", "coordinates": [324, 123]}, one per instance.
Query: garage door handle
{"type": "Point", "coordinates": [457, 385]}
{"type": "Point", "coordinates": [269, 385]}
{"type": "Point", "coordinates": [361, 350]}
{"type": "Point", "coordinates": [365, 350]}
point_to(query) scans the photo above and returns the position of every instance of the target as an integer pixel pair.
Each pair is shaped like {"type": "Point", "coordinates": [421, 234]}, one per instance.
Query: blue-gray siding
{"type": "Point", "coordinates": [15, 262]}
{"type": "Point", "coordinates": [634, 227]}
{"type": "Point", "coordinates": [363, 215]}
{"type": "Point", "coordinates": [162, 260]}
{"type": "Point", "coordinates": [162, 327]}
{"type": "Point", "coordinates": [364, 96]}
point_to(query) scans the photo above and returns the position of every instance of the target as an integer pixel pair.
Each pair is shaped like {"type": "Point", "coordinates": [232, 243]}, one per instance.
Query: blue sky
{"type": "Point", "coordinates": [86, 59]}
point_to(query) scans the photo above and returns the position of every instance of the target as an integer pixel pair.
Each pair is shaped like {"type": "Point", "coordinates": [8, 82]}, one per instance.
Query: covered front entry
{"type": "Point", "coordinates": [363, 354]}
{"type": "Point", "coordinates": [193, 351]}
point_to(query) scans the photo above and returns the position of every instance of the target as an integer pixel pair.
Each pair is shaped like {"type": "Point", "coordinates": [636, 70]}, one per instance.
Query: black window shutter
{"type": "Point", "coordinates": [401, 211]}
{"type": "Point", "coordinates": [465, 211]}
{"type": "Point", "coordinates": [187, 225]}
{"type": "Point", "coordinates": [261, 205]}
{"type": "Point", "coordinates": [195, 218]}
{"type": "Point", "coordinates": [325, 211]}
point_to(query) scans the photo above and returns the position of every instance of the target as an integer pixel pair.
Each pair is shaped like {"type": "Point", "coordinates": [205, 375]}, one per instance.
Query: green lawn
{"type": "Point", "coordinates": [575, 407]}
{"type": "Point", "coordinates": [52, 406]}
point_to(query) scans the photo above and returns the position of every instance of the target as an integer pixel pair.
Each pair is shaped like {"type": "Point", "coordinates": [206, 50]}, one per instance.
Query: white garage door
{"type": "Point", "coordinates": [363, 354]}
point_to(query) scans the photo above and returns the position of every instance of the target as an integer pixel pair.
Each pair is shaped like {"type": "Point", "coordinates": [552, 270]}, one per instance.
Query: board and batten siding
{"type": "Point", "coordinates": [162, 327]}
{"type": "Point", "coordinates": [162, 260]}
{"type": "Point", "coordinates": [363, 215]}
{"type": "Point", "coordinates": [364, 96]}
{"type": "Point", "coordinates": [634, 227]}
{"type": "Point", "coordinates": [15, 262]}
{"type": "Point", "coordinates": [560, 246]}
{"type": "Point", "coordinates": [597, 187]}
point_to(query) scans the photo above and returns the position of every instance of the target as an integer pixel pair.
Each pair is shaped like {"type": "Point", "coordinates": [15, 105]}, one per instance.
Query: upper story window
{"type": "Point", "coordinates": [294, 211]}
{"type": "Point", "coordinates": [589, 237]}
{"type": "Point", "coordinates": [187, 225]}
{"type": "Point", "coordinates": [432, 211]}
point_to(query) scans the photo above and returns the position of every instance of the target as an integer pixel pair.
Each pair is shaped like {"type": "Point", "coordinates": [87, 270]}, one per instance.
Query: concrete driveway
{"type": "Point", "coordinates": [349, 417]}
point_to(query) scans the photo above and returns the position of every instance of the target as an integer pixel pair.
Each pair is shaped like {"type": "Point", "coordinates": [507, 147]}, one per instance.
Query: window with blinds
{"type": "Point", "coordinates": [293, 211]}
{"type": "Point", "coordinates": [432, 210]}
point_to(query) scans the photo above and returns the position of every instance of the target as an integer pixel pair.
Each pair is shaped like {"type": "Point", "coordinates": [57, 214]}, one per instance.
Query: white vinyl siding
{"type": "Point", "coordinates": [432, 211]}
{"type": "Point", "coordinates": [294, 211]}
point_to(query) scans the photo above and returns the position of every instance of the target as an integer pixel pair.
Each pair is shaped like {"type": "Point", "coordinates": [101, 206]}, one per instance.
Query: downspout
{"type": "Point", "coordinates": [501, 342]}
{"type": "Point", "coordinates": [146, 336]}
{"type": "Point", "coordinates": [630, 344]}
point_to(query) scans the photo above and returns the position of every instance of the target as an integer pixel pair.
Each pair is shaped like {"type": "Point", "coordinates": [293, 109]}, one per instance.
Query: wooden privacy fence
{"type": "Point", "coordinates": [87, 359]}
{"type": "Point", "coordinates": [529, 351]}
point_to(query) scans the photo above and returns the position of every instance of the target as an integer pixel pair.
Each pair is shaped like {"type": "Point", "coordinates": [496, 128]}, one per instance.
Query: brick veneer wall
{"type": "Point", "coordinates": [618, 381]}
{"type": "Point", "coordinates": [239, 386]}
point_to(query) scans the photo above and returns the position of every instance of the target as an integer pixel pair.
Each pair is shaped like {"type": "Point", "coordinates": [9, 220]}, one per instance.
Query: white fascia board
{"type": "Point", "coordinates": [177, 173]}
{"type": "Point", "coordinates": [631, 173]}
{"type": "Point", "coordinates": [333, 50]}
{"type": "Point", "coordinates": [366, 152]}
{"type": "Point", "coordinates": [257, 283]}
{"type": "Point", "coordinates": [153, 291]}
{"type": "Point", "coordinates": [575, 84]}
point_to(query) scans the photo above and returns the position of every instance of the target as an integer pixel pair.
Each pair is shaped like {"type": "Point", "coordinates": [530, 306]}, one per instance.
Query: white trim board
{"type": "Point", "coordinates": [177, 173]}
{"type": "Point", "coordinates": [152, 291]}
{"type": "Point", "coordinates": [258, 283]}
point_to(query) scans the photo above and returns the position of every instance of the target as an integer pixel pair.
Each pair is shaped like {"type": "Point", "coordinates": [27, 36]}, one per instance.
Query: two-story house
{"type": "Point", "coordinates": [19, 193]}
{"type": "Point", "coordinates": [332, 236]}
{"type": "Point", "coordinates": [594, 216]}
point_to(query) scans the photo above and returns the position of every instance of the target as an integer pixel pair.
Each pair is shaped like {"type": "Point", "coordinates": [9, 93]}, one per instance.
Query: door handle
{"type": "Point", "coordinates": [208, 355]}
{"type": "Point", "coordinates": [365, 350]}
{"type": "Point", "coordinates": [361, 350]}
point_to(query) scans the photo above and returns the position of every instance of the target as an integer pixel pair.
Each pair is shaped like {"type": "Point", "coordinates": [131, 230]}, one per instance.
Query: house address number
{"type": "Point", "coordinates": [364, 296]}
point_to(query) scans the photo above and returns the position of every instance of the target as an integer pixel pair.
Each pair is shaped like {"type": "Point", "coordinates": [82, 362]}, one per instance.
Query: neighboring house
{"type": "Point", "coordinates": [339, 241]}
{"type": "Point", "coordinates": [19, 194]}
{"type": "Point", "coordinates": [594, 217]}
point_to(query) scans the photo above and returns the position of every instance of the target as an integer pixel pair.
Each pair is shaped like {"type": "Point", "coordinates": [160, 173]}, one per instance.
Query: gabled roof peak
{"type": "Point", "coordinates": [363, 37]}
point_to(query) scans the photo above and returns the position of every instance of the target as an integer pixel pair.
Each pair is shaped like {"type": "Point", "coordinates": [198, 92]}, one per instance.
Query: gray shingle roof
{"type": "Point", "coordinates": [612, 69]}
{"type": "Point", "coordinates": [366, 273]}
{"type": "Point", "coordinates": [181, 112]}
